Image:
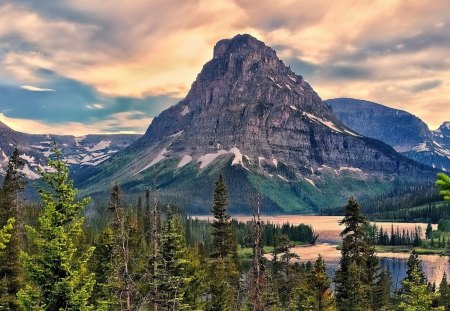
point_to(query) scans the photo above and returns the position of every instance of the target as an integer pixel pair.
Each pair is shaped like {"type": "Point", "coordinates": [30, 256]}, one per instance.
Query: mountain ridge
{"type": "Point", "coordinates": [78, 152]}
{"type": "Point", "coordinates": [248, 115]}
{"type": "Point", "coordinates": [400, 129]}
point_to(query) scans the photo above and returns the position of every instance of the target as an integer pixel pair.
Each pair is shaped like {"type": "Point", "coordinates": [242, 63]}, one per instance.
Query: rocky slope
{"type": "Point", "coordinates": [405, 132]}
{"type": "Point", "coordinates": [250, 117]}
{"type": "Point", "coordinates": [79, 152]}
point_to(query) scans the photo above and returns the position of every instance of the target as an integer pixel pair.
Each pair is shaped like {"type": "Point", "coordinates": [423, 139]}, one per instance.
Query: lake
{"type": "Point", "coordinates": [328, 229]}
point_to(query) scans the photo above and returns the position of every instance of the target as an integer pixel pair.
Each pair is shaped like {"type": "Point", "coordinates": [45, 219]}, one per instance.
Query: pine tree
{"type": "Point", "coordinates": [416, 295]}
{"type": "Point", "coordinates": [10, 270]}
{"type": "Point", "coordinates": [122, 277]}
{"type": "Point", "coordinates": [428, 231]}
{"type": "Point", "coordinates": [223, 268]}
{"type": "Point", "coordinates": [356, 287]}
{"type": "Point", "coordinates": [320, 284]}
{"type": "Point", "coordinates": [174, 279]}
{"type": "Point", "coordinates": [444, 291]}
{"type": "Point", "coordinates": [221, 226]}
{"type": "Point", "coordinates": [57, 268]}
{"type": "Point", "coordinates": [103, 265]}
{"type": "Point", "coordinates": [261, 293]}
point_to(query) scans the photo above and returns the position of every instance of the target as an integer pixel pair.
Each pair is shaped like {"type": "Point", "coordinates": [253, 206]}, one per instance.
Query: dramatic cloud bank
{"type": "Point", "coordinates": [112, 65]}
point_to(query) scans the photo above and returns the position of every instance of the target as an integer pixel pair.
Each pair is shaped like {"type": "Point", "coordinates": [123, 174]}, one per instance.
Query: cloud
{"type": "Point", "coordinates": [143, 55]}
{"type": "Point", "coordinates": [35, 89]}
{"type": "Point", "coordinates": [425, 86]}
{"type": "Point", "coordinates": [120, 123]}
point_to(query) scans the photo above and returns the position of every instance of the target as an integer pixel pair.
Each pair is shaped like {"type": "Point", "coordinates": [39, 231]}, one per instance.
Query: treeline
{"type": "Point", "coordinates": [147, 257]}
{"type": "Point", "coordinates": [433, 212]}
{"type": "Point", "coordinates": [399, 204]}
{"type": "Point", "coordinates": [198, 232]}
{"type": "Point", "coordinates": [395, 237]}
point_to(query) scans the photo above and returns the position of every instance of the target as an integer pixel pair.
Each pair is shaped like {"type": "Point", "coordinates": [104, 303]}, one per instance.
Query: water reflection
{"type": "Point", "coordinates": [328, 229]}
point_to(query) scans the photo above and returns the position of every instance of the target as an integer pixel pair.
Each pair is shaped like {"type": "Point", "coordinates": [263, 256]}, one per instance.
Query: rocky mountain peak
{"type": "Point", "coordinates": [244, 62]}
{"type": "Point", "coordinates": [241, 44]}
{"type": "Point", "coordinates": [244, 86]}
{"type": "Point", "coordinates": [444, 128]}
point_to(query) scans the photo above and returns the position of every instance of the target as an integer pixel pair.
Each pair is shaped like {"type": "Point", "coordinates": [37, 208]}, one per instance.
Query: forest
{"type": "Point", "coordinates": [145, 256]}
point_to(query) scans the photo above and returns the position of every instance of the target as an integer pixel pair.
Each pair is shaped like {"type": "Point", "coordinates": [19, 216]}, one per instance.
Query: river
{"type": "Point", "coordinates": [328, 229]}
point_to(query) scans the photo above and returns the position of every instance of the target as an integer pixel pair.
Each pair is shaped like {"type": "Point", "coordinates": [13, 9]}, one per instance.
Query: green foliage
{"type": "Point", "coordinates": [444, 225]}
{"type": "Point", "coordinates": [443, 183]}
{"type": "Point", "coordinates": [416, 295]}
{"type": "Point", "coordinates": [173, 278]}
{"type": "Point", "coordinates": [5, 233]}
{"type": "Point", "coordinates": [358, 277]}
{"type": "Point", "coordinates": [313, 292]}
{"type": "Point", "coordinates": [221, 226]}
{"type": "Point", "coordinates": [10, 207]}
{"type": "Point", "coordinates": [444, 291]}
{"type": "Point", "coordinates": [223, 272]}
{"type": "Point", "coordinates": [56, 263]}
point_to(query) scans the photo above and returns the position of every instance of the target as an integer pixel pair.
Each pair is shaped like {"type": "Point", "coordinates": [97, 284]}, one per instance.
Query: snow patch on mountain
{"type": "Point", "coordinates": [310, 181]}
{"type": "Point", "coordinates": [184, 160]}
{"type": "Point", "coordinates": [29, 173]}
{"type": "Point", "coordinates": [206, 159]}
{"type": "Point", "coordinates": [327, 123]}
{"type": "Point", "coordinates": [99, 146]}
{"type": "Point", "coordinates": [177, 134]}
{"type": "Point", "coordinates": [421, 147]}
{"type": "Point", "coordinates": [185, 111]}
{"type": "Point", "coordinates": [161, 156]}
{"type": "Point", "coordinates": [352, 169]}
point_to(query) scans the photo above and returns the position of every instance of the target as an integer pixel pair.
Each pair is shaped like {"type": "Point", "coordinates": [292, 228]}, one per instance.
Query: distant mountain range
{"type": "Point", "coordinates": [79, 152]}
{"type": "Point", "coordinates": [249, 117]}
{"type": "Point", "coordinates": [405, 132]}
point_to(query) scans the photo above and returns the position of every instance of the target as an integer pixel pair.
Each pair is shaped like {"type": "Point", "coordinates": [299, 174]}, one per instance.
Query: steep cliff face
{"type": "Point", "coordinates": [398, 128]}
{"type": "Point", "coordinates": [403, 131]}
{"type": "Point", "coordinates": [249, 115]}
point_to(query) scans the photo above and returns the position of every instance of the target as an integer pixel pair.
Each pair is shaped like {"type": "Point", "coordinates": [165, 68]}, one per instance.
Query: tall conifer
{"type": "Point", "coordinates": [10, 270]}
{"type": "Point", "coordinates": [57, 266]}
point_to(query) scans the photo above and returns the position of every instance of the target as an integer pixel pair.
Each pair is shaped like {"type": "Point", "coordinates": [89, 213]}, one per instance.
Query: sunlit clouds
{"type": "Point", "coordinates": [392, 52]}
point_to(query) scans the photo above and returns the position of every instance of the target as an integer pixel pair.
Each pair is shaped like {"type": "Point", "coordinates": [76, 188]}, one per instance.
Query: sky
{"type": "Point", "coordinates": [94, 66]}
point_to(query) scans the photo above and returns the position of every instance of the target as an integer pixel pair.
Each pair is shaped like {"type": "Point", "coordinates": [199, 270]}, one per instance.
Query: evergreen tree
{"type": "Point", "coordinates": [261, 293]}
{"type": "Point", "coordinates": [122, 279]}
{"type": "Point", "coordinates": [57, 266]}
{"type": "Point", "coordinates": [283, 278]}
{"type": "Point", "coordinates": [428, 231]}
{"type": "Point", "coordinates": [357, 279]}
{"type": "Point", "coordinates": [383, 299]}
{"type": "Point", "coordinates": [416, 295]}
{"type": "Point", "coordinates": [320, 284]}
{"type": "Point", "coordinates": [103, 265]}
{"type": "Point", "coordinates": [223, 269]}
{"type": "Point", "coordinates": [174, 279]}
{"type": "Point", "coordinates": [221, 226]}
{"type": "Point", "coordinates": [10, 270]}
{"type": "Point", "coordinates": [444, 291]}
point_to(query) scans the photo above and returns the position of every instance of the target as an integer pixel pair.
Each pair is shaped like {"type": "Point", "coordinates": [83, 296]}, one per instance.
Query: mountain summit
{"type": "Point", "coordinates": [405, 132]}
{"type": "Point", "coordinates": [248, 116]}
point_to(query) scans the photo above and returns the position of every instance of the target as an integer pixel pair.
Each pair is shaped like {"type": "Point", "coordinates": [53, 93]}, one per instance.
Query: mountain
{"type": "Point", "coordinates": [79, 152]}
{"type": "Point", "coordinates": [405, 132]}
{"type": "Point", "coordinates": [251, 118]}
{"type": "Point", "coordinates": [442, 135]}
